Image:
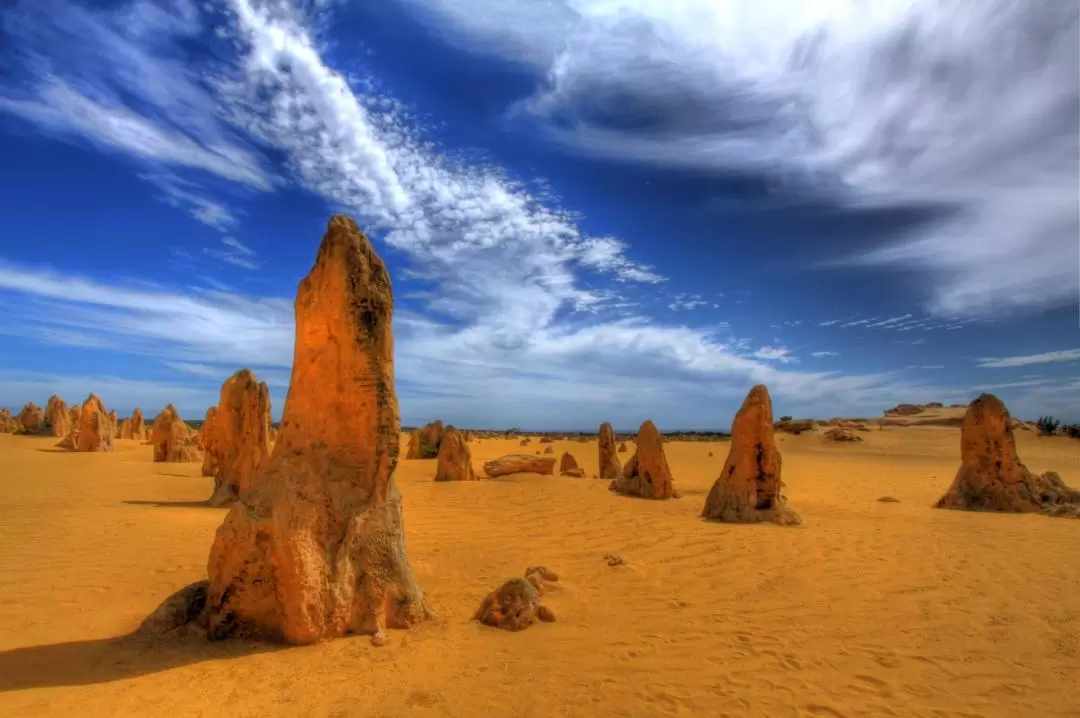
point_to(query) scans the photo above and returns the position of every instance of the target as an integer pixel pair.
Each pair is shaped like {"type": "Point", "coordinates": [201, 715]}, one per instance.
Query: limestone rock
{"type": "Point", "coordinates": [545, 440]}
{"type": "Point", "coordinates": [424, 442]}
{"type": "Point", "coordinates": [568, 466]}
{"type": "Point", "coordinates": [622, 448]}
{"type": "Point", "coordinates": [549, 450]}
{"type": "Point", "coordinates": [519, 464]}
{"type": "Point", "coordinates": [8, 423]}
{"type": "Point", "coordinates": [317, 547]}
{"type": "Point", "coordinates": [610, 466]}
{"type": "Point", "coordinates": [841, 434]}
{"type": "Point", "coordinates": [516, 604]}
{"type": "Point", "coordinates": [992, 477]}
{"type": "Point", "coordinates": [133, 428]}
{"type": "Point", "coordinates": [455, 459]}
{"type": "Point", "coordinates": [749, 488]}
{"type": "Point", "coordinates": [31, 419]}
{"type": "Point", "coordinates": [906, 409]}
{"type": "Point", "coordinates": [173, 440]}
{"type": "Point", "coordinates": [95, 430]}
{"type": "Point", "coordinates": [239, 438]}
{"type": "Point", "coordinates": [524, 442]}
{"type": "Point", "coordinates": [647, 473]}
{"type": "Point", "coordinates": [57, 417]}
{"type": "Point", "coordinates": [794, 426]}
{"type": "Point", "coordinates": [206, 441]}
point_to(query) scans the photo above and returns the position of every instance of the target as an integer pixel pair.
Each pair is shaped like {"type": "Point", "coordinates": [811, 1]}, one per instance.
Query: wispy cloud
{"type": "Point", "coordinates": [925, 366]}
{"type": "Point", "coordinates": [1065, 355]}
{"type": "Point", "coordinates": [779, 354]}
{"type": "Point", "coordinates": [822, 355]}
{"type": "Point", "coordinates": [688, 302]}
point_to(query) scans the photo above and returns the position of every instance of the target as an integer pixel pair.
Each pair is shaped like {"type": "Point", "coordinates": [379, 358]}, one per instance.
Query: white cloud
{"type": "Point", "coordinates": [925, 366]}
{"type": "Point", "coordinates": [688, 302]}
{"type": "Point", "coordinates": [1064, 355]}
{"type": "Point", "coordinates": [780, 354]}
{"type": "Point", "coordinates": [822, 355]}
{"type": "Point", "coordinates": [830, 322]}
{"type": "Point", "coordinates": [857, 100]}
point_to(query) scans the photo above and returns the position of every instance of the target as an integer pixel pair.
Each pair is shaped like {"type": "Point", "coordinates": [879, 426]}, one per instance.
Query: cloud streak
{"type": "Point", "coordinates": [1065, 355]}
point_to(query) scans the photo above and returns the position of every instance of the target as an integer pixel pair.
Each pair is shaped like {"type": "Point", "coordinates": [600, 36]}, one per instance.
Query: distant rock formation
{"type": "Point", "coordinates": [94, 431]}
{"type": "Point", "coordinates": [206, 441]}
{"type": "Point", "coordinates": [239, 438]}
{"type": "Point", "coordinates": [31, 419]}
{"type": "Point", "coordinates": [568, 466]}
{"type": "Point", "coordinates": [173, 440]}
{"type": "Point", "coordinates": [992, 477]}
{"type": "Point", "coordinates": [545, 440]}
{"type": "Point", "coordinates": [455, 459]}
{"type": "Point", "coordinates": [794, 426]}
{"type": "Point", "coordinates": [8, 423]}
{"type": "Point", "coordinates": [647, 473]}
{"type": "Point", "coordinates": [134, 427]}
{"type": "Point", "coordinates": [57, 418]}
{"type": "Point", "coordinates": [317, 548]}
{"type": "Point", "coordinates": [749, 488]}
{"type": "Point", "coordinates": [906, 409]}
{"type": "Point", "coordinates": [424, 442]}
{"type": "Point", "coordinates": [516, 604]}
{"type": "Point", "coordinates": [841, 434]}
{"type": "Point", "coordinates": [622, 448]}
{"type": "Point", "coordinates": [610, 466]}
{"type": "Point", "coordinates": [524, 442]}
{"type": "Point", "coordinates": [549, 450]}
{"type": "Point", "coordinates": [519, 464]}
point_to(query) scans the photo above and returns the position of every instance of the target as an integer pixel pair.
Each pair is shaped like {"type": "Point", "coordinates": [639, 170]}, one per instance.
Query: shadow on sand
{"type": "Point", "coordinates": [173, 504]}
{"type": "Point", "coordinates": [83, 663]}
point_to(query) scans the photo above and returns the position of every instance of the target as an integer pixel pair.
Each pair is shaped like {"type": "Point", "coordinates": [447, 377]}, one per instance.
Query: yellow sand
{"type": "Point", "coordinates": [869, 609]}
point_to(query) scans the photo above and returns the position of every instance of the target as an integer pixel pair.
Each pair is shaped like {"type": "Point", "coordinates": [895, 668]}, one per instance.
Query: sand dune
{"type": "Point", "coordinates": [869, 609]}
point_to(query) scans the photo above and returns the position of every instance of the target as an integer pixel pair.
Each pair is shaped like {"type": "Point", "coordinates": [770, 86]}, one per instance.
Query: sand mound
{"type": "Point", "coordinates": [749, 487]}
{"type": "Point", "coordinates": [992, 477]}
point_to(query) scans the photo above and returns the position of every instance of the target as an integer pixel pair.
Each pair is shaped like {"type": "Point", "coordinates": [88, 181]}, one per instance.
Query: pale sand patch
{"type": "Point", "coordinates": [869, 609]}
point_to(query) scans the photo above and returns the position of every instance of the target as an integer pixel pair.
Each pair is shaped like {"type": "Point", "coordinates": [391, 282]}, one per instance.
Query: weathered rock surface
{"type": "Point", "coordinates": [206, 441]}
{"type": "Point", "coordinates": [610, 466]}
{"type": "Point", "coordinates": [647, 473]}
{"type": "Point", "coordinates": [908, 409]}
{"type": "Point", "coordinates": [317, 548]}
{"type": "Point", "coordinates": [455, 458]}
{"type": "Point", "coordinates": [795, 426]}
{"type": "Point", "coordinates": [992, 477]}
{"type": "Point", "coordinates": [31, 419]}
{"type": "Point", "coordinates": [749, 488]}
{"type": "Point", "coordinates": [94, 431]}
{"type": "Point", "coordinates": [519, 464]}
{"type": "Point", "coordinates": [568, 466]}
{"type": "Point", "coordinates": [173, 440]}
{"type": "Point", "coordinates": [134, 427]}
{"type": "Point", "coordinates": [8, 423]}
{"type": "Point", "coordinates": [424, 442]}
{"type": "Point", "coordinates": [841, 434]}
{"type": "Point", "coordinates": [516, 604]}
{"type": "Point", "coordinates": [239, 438]}
{"type": "Point", "coordinates": [57, 418]}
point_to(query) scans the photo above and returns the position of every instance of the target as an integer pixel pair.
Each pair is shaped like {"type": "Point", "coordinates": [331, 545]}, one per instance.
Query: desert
{"type": "Point", "coordinates": [337, 571]}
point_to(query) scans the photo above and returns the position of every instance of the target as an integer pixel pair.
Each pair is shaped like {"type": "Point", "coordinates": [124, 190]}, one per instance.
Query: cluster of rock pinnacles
{"type": "Point", "coordinates": [313, 546]}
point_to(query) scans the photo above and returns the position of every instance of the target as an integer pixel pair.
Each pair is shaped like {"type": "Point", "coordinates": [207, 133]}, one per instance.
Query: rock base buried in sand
{"type": "Point", "coordinates": [841, 435]}
{"type": "Point", "coordinates": [992, 477]}
{"type": "Point", "coordinates": [568, 466]}
{"type": "Point", "coordinates": [516, 604]}
{"type": "Point", "coordinates": [646, 474]}
{"type": "Point", "coordinates": [614, 559]}
{"type": "Point", "coordinates": [749, 488]}
{"type": "Point", "coordinates": [888, 500]}
{"type": "Point", "coordinates": [519, 464]}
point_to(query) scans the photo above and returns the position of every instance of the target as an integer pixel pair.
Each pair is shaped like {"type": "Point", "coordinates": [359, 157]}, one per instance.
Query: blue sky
{"type": "Point", "coordinates": [591, 209]}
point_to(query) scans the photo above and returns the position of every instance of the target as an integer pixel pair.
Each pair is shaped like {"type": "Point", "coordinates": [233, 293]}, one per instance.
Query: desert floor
{"type": "Point", "coordinates": [869, 609]}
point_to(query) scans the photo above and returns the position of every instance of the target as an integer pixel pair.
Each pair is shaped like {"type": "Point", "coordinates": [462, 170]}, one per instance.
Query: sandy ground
{"type": "Point", "coordinates": [869, 609]}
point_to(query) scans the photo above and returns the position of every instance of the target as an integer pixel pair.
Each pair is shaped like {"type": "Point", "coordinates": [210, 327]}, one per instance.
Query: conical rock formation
{"type": "Point", "coordinates": [647, 473]}
{"type": "Point", "coordinates": [240, 438]}
{"type": "Point", "coordinates": [317, 548]}
{"type": "Point", "coordinates": [455, 459]}
{"type": "Point", "coordinates": [57, 417]}
{"type": "Point", "coordinates": [173, 439]}
{"type": "Point", "coordinates": [568, 466]}
{"type": "Point", "coordinates": [94, 430]}
{"type": "Point", "coordinates": [31, 419]}
{"type": "Point", "coordinates": [749, 488]}
{"type": "Point", "coordinates": [992, 477]}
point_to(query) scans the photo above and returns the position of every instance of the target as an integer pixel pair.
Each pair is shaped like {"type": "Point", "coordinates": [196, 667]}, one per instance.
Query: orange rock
{"type": "Point", "coordinates": [795, 426]}
{"type": "Point", "coordinates": [8, 423]}
{"type": "Point", "coordinates": [568, 466]}
{"type": "Point", "coordinates": [992, 477]}
{"type": "Point", "coordinates": [524, 442]}
{"type": "Point", "coordinates": [424, 442]}
{"type": "Point", "coordinates": [317, 548]}
{"type": "Point", "coordinates": [455, 459]}
{"type": "Point", "coordinates": [206, 441]}
{"type": "Point", "coordinates": [545, 440]}
{"type": "Point", "coordinates": [647, 473]}
{"type": "Point", "coordinates": [133, 428]}
{"type": "Point", "coordinates": [57, 417]}
{"type": "Point", "coordinates": [841, 434]}
{"type": "Point", "coordinates": [519, 464]}
{"type": "Point", "coordinates": [31, 419]}
{"type": "Point", "coordinates": [622, 448]}
{"type": "Point", "coordinates": [749, 488]}
{"type": "Point", "coordinates": [610, 466]}
{"type": "Point", "coordinates": [94, 432]}
{"type": "Point", "coordinates": [173, 440]}
{"type": "Point", "coordinates": [516, 604]}
{"type": "Point", "coordinates": [240, 439]}
{"type": "Point", "coordinates": [549, 450]}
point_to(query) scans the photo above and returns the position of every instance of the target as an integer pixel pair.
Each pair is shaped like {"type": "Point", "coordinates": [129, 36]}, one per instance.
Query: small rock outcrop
{"type": "Point", "coordinates": [545, 440]}
{"type": "Point", "coordinates": [568, 466]}
{"type": "Point", "coordinates": [622, 448]}
{"type": "Point", "coordinates": [841, 434]}
{"type": "Point", "coordinates": [647, 473]}
{"type": "Point", "coordinates": [523, 442]}
{"type": "Point", "coordinates": [316, 549]}
{"type": "Point", "coordinates": [519, 464]}
{"type": "Point", "coordinates": [794, 426]}
{"type": "Point", "coordinates": [610, 466]}
{"type": "Point", "coordinates": [173, 440]}
{"type": "Point", "coordinates": [455, 459]}
{"type": "Point", "coordinates": [516, 604]}
{"type": "Point", "coordinates": [57, 418]}
{"type": "Point", "coordinates": [908, 409]}
{"type": "Point", "coordinates": [549, 450]}
{"type": "Point", "coordinates": [8, 423]}
{"type": "Point", "coordinates": [31, 419]}
{"type": "Point", "coordinates": [424, 442]}
{"type": "Point", "coordinates": [133, 428]}
{"type": "Point", "coordinates": [992, 477]}
{"type": "Point", "coordinates": [94, 431]}
{"type": "Point", "coordinates": [749, 488]}
{"type": "Point", "coordinates": [240, 438]}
